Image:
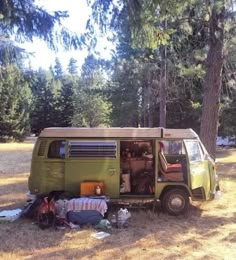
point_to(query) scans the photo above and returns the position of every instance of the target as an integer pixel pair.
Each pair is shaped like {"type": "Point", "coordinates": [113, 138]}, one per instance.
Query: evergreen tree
{"type": "Point", "coordinates": [91, 105]}
{"type": "Point", "coordinates": [15, 99]}
{"type": "Point", "coordinates": [67, 101]}
{"type": "Point", "coordinates": [10, 54]}
{"type": "Point", "coordinates": [127, 96]}
{"type": "Point", "coordinates": [92, 73]}
{"type": "Point", "coordinates": [72, 66]}
{"type": "Point", "coordinates": [46, 108]}
{"type": "Point", "coordinates": [91, 110]}
{"type": "Point", "coordinates": [24, 20]}
{"type": "Point", "coordinates": [51, 70]}
{"type": "Point", "coordinates": [58, 72]}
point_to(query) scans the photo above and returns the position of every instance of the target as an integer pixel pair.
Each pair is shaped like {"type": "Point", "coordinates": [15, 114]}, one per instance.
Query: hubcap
{"type": "Point", "coordinates": [176, 203]}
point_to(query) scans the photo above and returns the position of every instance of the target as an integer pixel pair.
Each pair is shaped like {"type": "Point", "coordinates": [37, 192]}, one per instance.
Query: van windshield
{"type": "Point", "coordinates": [194, 150]}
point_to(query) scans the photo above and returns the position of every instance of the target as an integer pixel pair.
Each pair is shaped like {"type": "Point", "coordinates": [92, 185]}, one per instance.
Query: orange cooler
{"type": "Point", "coordinates": [89, 188]}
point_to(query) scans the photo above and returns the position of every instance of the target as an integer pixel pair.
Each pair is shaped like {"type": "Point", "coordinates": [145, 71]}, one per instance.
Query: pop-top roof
{"type": "Point", "coordinates": [127, 132]}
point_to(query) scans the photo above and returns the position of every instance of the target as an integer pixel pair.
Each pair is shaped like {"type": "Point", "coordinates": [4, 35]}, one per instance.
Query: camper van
{"type": "Point", "coordinates": [122, 164]}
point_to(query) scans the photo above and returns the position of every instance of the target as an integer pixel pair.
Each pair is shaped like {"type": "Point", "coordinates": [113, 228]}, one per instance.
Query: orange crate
{"type": "Point", "coordinates": [87, 188]}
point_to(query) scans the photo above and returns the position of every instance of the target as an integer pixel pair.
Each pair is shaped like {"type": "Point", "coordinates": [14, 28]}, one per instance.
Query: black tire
{"type": "Point", "coordinates": [175, 202]}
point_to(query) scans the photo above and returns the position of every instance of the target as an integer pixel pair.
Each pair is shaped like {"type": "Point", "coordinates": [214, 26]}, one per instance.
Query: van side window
{"type": "Point", "coordinates": [56, 149]}
{"type": "Point", "coordinates": [194, 151]}
{"type": "Point", "coordinates": [92, 149]}
{"type": "Point", "coordinates": [42, 147]}
{"type": "Point", "coordinates": [173, 147]}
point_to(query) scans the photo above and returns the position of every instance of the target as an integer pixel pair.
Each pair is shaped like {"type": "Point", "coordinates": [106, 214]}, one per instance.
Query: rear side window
{"type": "Point", "coordinates": [173, 147]}
{"type": "Point", "coordinates": [42, 147]}
{"type": "Point", "coordinates": [57, 149]}
{"type": "Point", "coordinates": [92, 149]}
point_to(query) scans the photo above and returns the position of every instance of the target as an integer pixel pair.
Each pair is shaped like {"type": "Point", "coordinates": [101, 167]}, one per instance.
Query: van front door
{"type": "Point", "coordinates": [198, 169]}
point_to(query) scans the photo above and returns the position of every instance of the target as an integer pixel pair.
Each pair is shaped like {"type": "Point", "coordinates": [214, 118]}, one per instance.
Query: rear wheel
{"type": "Point", "coordinates": [175, 202]}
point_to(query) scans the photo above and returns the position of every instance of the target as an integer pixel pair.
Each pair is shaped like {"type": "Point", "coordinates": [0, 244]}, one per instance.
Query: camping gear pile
{"type": "Point", "coordinates": [56, 211]}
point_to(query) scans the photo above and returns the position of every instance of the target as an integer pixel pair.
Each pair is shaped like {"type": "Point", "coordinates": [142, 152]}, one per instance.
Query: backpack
{"type": "Point", "coordinates": [45, 215]}
{"type": "Point", "coordinates": [30, 209]}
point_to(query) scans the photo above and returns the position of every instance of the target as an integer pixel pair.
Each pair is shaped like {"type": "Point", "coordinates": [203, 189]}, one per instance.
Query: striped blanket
{"type": "Point", "coordinates": [86, 204]}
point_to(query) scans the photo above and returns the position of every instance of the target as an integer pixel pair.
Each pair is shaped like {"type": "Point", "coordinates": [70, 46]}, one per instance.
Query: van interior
{"type": "Point", "coordinates": [137, 165]}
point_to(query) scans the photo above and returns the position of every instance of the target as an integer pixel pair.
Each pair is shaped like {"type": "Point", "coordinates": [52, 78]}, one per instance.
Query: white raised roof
{"type": "Point", "coordinates": [158, 132]}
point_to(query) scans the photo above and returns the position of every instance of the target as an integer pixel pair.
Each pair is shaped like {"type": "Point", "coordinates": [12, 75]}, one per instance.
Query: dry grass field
{"type": "Point", "coordinates": [207, 232]}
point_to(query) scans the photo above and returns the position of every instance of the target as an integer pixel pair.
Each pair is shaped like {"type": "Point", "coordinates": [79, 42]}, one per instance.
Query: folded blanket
{"type": "Point", "coordinates": [86, 204]}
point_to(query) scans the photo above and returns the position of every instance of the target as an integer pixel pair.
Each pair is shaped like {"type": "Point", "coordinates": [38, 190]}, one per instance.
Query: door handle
{"type": "Point", "coordinates": [112, 171]}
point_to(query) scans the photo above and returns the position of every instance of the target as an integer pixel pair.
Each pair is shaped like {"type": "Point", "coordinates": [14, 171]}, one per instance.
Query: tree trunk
{"type": "Point", "coordinates": [162, 122]}
{"type": "Point", "coordinates": [150, 106]}
{"type": "Point", "coordinates": [212, 82]}
{"type": "Point", "coordinates": [145, 104]}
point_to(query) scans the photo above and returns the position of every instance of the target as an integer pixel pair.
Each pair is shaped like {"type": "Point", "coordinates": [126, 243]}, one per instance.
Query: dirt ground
{"type": "Point", "coordinates": [207, 232]}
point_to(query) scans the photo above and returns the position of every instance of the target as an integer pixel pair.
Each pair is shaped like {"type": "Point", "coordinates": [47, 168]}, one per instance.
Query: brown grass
{"type": "Point", "coordinates": [207, 232]}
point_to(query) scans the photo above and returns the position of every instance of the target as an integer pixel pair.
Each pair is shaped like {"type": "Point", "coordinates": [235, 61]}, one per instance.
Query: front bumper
{"type": "Point", "coordinates": [216, 195]}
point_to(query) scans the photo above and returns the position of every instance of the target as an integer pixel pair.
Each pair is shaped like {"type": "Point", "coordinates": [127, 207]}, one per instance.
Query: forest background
{"type": "Point", "coordinates": [174, 65]}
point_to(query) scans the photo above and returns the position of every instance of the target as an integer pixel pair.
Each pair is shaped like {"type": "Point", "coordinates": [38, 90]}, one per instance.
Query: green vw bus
{"type": "Point", "coordinates": [170, 165]}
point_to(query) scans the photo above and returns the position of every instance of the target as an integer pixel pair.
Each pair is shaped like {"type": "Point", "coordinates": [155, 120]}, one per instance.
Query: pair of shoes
{"type": "Point", "coordinates": [74, 226]}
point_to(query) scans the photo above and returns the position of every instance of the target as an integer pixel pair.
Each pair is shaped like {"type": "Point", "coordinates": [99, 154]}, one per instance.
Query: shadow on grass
{"type": "Point", "coordinates": [226, 170]}
{"type": "Point", "coordinates": [12, 196]}
{"type": "Point", "coordinates": [167, 231]}
{"type": "Point", "coordinates": [231, 237]}
{"type": "Point", "coordinates": [224, 152]}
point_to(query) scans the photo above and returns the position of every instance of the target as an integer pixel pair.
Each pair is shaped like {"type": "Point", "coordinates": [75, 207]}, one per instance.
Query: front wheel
{"type": "Point", "coordinates": [175, 202]}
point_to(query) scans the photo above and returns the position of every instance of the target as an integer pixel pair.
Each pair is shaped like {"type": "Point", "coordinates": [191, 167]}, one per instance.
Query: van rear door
{"type": "Point", "coordinates": [53, 169]}
{"type": "Point", "coordinates": [199, 171]}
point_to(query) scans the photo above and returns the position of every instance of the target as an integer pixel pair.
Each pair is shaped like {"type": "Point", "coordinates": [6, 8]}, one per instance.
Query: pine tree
{"type": "Point", "coordinates": [46, 109]}
{"type": "Point", "coordinates": [15, 100]}
{"type": "Point", "coordinates": [91, 110]}
{"type": "Point", "coordinates": [67, 101]}
{"type": "Point", "coordinates": [58, 72]}
{"type": "Point", "coordinates": [72, 66]}
{"type": "Point", "coordinates": [24, 20]}
{"type": "Point", "coordinates": [91, 105]}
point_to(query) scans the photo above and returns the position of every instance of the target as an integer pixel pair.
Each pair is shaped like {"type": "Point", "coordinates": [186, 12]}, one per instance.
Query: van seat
{"type": "Point", "coordinates": [168, 167]}
{"type": "Point", "coordinates": [170, 172]}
